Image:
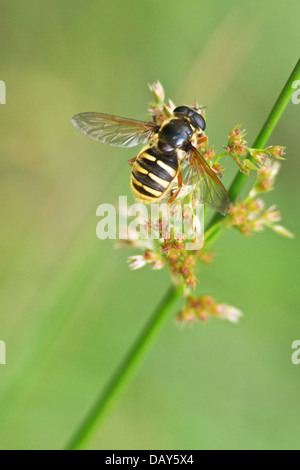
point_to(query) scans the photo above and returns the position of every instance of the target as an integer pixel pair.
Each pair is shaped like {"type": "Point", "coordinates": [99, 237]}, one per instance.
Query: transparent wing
{"type": "Point", "coordinates": [203, 182]}
{"type": "Point", "coordinates": [114, 130]}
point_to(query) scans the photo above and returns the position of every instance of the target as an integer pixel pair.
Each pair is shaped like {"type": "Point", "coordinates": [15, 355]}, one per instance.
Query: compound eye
{"type": "Point", "coordinates": [198, 120]}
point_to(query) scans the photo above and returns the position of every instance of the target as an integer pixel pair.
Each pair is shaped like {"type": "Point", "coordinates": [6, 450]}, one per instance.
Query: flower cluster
{"type": "Point", "coordinates": [266, 177]}
{"type": "Point", "coordinates": [236, 144]}
{"type": "Point", "coordinates": [160, 110]}
{"type": "Point", "coordinates": [205, 307]}
{"type": "Point", "coordinates": [163, 245]}
{"type": "Point", "coordinates": [248, 158]}
{"type": "Point", "coordinates": [148, 257]}
{"type": "Point", "coordinates": [252, 216]}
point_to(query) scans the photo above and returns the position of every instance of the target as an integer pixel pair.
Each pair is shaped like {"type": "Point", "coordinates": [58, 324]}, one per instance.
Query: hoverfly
{"type": "Point", "coordinates": [169, 148]}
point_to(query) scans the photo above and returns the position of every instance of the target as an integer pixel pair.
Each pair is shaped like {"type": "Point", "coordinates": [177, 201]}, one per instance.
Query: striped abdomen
{"type": "Point", "coordinates": [152, 173]}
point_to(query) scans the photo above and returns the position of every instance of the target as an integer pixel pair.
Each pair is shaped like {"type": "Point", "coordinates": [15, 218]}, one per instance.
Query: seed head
{"type": "Point", "coordinates": [205, 307]}
{"type": "Point", "coordinates": [236, 144]}
{"type": "Point", "coordinates": [158, 91]}
{"type": "Point", "coordinates": [276, 151]}
{"type": "Point", "coordinates": [266, 177]}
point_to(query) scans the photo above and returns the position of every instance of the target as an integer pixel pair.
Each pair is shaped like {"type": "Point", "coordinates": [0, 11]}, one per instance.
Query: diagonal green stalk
{"type": "Point", "coordinates": [215, 227]}
{"type": "Point", "coordinates": [126, 369]}
{"type": "Point", "coordinates": [137, 352]}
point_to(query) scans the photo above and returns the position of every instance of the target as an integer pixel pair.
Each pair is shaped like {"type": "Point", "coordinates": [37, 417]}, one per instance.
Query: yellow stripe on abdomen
{"type": "Point", "coordinates": [167, 168]}
{"type": "Point", "coordinates": [151, 176]}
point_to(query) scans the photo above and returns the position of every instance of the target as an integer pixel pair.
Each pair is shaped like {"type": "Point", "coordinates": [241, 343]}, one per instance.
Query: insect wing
{"type": "Point", "coordinates": [197, 174]}
{"type": "Point", "coordinates": [114, 130]}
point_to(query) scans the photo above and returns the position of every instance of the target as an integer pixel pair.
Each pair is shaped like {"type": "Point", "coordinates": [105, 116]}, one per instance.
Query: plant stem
{"type": "Point", "coordinates": [215, 227]}
{"type": "Point", "coordinates": [125, 370]}
{"type": "Point", "coordinates": [137, 352]}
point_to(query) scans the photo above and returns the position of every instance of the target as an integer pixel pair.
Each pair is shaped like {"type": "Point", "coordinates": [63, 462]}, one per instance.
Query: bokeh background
{"type": "Point", "coordinates": [70, 308]}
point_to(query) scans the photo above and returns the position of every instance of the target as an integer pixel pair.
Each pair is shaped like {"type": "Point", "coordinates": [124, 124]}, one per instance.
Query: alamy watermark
{"type": "Point", "coordinates": [296, 94]}
{"type": "Point", "coordinates": [152, 222]}
{"type": "Point", "coordinates": [2, 352]}
{"type": "Point", "coordinates": [296, 354]}
{"type": "Point", "coordinates": [2, 92]}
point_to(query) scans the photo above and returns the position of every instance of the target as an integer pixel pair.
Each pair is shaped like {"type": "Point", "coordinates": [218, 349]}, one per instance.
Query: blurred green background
{"type": "Point", "coordinates": [70, 308]}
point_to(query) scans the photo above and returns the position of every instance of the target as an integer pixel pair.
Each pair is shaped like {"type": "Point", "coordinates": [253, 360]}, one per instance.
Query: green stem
{"type": "Point", "coordinates": [215, 227]}
{"type": "Point", "coordinates": [125, 370]}
{"type": "Point", "coordinates": [137, 352]}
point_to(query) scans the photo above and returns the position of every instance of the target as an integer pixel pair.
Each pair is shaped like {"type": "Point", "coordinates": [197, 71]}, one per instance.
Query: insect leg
{"type": "Point", "coordinates": [132, 160]}
{"type": "Point", "coordinates": [174, 196]}
{"type": "Point", "coordinates": [202, 139]}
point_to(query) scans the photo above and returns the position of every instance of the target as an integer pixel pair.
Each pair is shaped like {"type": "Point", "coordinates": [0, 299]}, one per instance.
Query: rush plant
{"type": "Point", "coordinates": [248, 216]}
